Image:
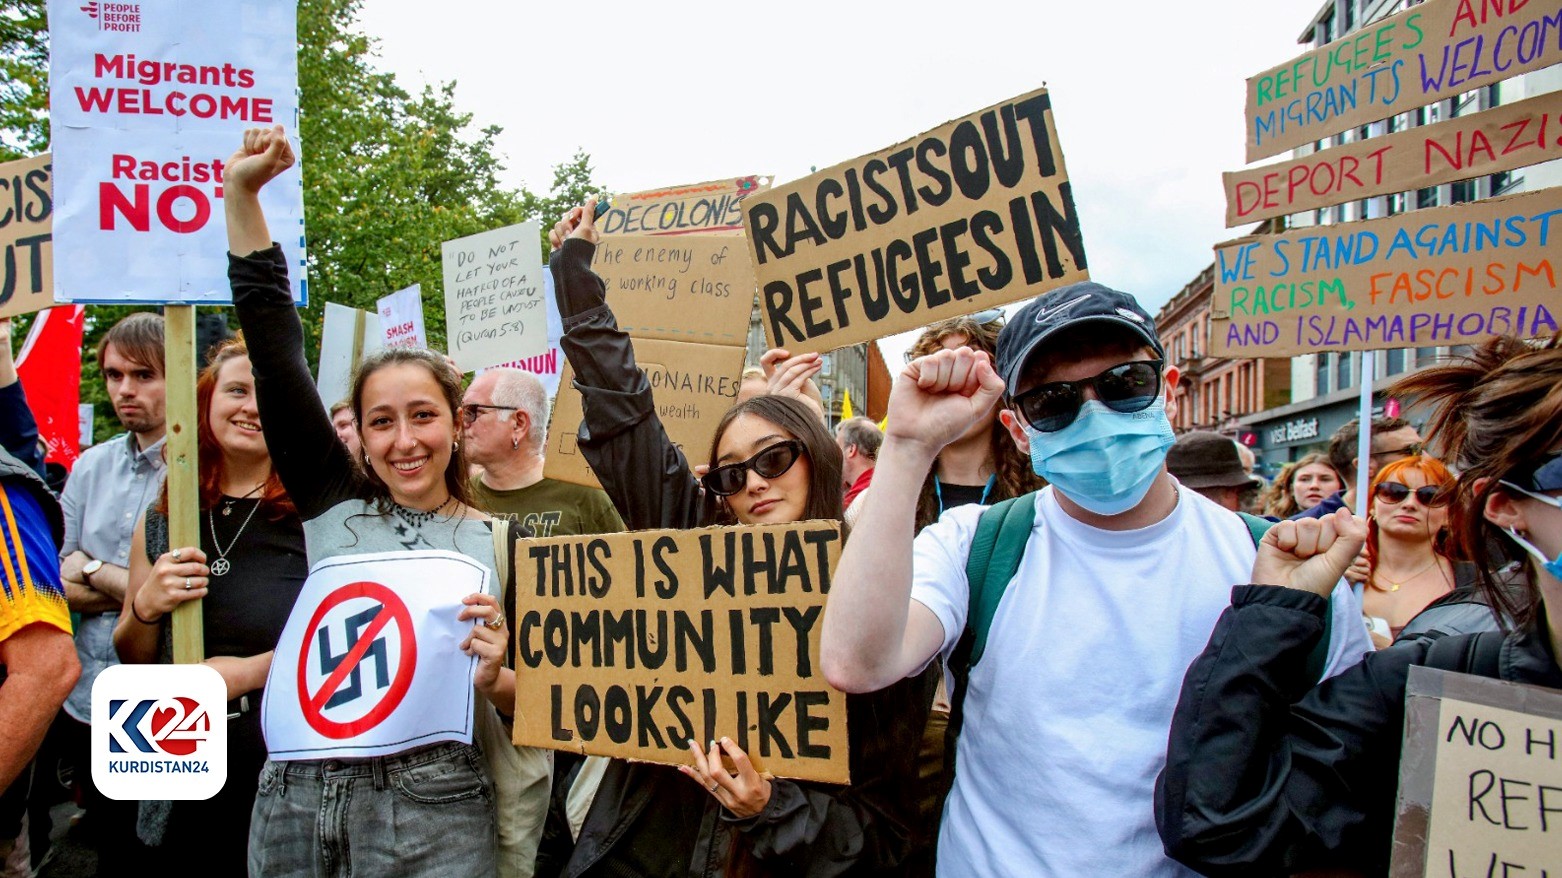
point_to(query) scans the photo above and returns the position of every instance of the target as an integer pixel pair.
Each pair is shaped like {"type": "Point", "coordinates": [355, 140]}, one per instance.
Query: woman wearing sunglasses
{"type": "Point", "coordinates": [1265, 777]}
{"type": "Point", "coordinates": [1406, 567]}
{"type": "Point", "coordinates": [771, 462]}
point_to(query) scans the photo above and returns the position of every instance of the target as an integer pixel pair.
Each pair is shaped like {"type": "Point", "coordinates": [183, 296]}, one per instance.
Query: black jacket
{"type": "Point", "coordinates": [650, 819]}
{"type": "Point", "coordinates": [1264, 777]}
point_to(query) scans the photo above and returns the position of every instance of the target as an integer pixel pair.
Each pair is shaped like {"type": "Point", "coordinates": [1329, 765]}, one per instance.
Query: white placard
{"type": "Point", "coordinates": [370, 663]}
{"type": "Point", "coordinates": [148, 100]}
{"type": "Point", "coordinates": [401, 318]}
{"type": "Point", "coordinates": [549, 364]}
{"type": "Point", "coordinates": [337, 346]}
{"type": "Point", "coordinates": [494, 302]}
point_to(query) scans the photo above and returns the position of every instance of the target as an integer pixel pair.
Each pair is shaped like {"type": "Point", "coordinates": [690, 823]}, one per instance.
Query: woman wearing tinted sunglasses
{"type": "Point", "coordinates": [771, 462]}
{"type": "Point", "coordinates": [1407, 569]}
{"type": "Point", "coordinates": [1265, 777]}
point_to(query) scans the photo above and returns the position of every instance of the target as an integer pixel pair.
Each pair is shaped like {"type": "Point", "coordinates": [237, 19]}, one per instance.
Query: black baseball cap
{"type": "Point", "coordinates": [1070, 306]}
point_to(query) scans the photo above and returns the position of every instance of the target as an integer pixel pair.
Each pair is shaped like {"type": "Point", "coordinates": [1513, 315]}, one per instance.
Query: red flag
{"type": "Point", "coordinates": [50, 368]}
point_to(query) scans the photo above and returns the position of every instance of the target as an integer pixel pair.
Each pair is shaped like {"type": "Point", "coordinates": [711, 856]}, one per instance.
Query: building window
{"type": "Point", "coordinates": [1350, 15]}
{"type": "Point", "coordinates": [1462, 191]}
{"type": "Point", "coordinates": [1342, 378]}
{"type": "Point", "coordinates": [1426, 197]}
{"type": "Point", "coordinates": [1428, 115]}
{"type": "Point", "coordinates": [1323, 374]}
{"type": "Point", "coordinates": [1395, 361]}
{"type": "Point", "coordinates": [1425, 356]}
{"type": "Point", "coordinates": [1396, 203]}
{"type": "Point", "coordinates": [1505, 182]}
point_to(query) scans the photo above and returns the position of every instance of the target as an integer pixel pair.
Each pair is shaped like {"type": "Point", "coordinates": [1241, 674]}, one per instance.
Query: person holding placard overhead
{"type": "Point", "coordinates": [1264, 777]}
{"type": "Point", "coordinates": [771, 462]}
{"type": "Point", "coordinates": [429, 808]}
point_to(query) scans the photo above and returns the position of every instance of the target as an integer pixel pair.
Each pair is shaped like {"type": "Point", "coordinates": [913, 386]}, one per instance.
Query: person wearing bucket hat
{"type": "Point", "coordinates": [1210, 464]}
{"type": "Point", "coordinates": [1112, 581]}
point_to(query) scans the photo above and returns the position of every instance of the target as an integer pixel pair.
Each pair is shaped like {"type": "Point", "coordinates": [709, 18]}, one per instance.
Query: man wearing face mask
{"type": "Point", "coordinates": [1122, 577]}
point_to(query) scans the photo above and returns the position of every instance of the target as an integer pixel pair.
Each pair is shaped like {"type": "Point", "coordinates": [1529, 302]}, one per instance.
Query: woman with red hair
{"type": "Point", "coordinates": [1407, 566]}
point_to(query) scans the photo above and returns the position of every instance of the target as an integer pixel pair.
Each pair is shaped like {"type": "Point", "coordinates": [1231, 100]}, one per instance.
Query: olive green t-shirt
{"type": "Point", "coordinates": [551, 508]}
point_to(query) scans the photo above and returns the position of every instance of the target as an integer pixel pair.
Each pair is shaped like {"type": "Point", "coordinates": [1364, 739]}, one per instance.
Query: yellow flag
{"type": "Point", "coordinates": [846, 404]}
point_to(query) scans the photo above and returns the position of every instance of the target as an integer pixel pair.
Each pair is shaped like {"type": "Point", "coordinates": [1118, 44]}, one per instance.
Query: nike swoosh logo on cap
{"type": "Point", "coordinates": [1047, 313]}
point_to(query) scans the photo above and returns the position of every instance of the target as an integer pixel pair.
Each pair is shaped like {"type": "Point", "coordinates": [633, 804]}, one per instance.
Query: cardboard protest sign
{"type": "Point", "coordinates": [147, 102]}
{"type": "Point", "coordinates": [370, 661]}
{"type": "Point", "coordinates": [1480, 783]}
{"type": "Point", "coordinates": [1500, 139]}
{"type": "Point", "coordinates": [1442, 276]}
{"type": "Point", "coordinates": [631, 645]}
{"type": "Point", "coordinates": [348, 334]}
{"type": "Point", "coordinates": [970, 215]}
{"type": "Point", "coordinates": [1431, 51]}
{"type": "Point", "coordinates": [494, 307]}
{"type": "Point", "coordinates": [26, 221]}
{"type": "Point", "coordinates": [401, 318]}
{"type": "Point", "coordinates": [686, 301]}
{"type": "Point", "coordinates": [707, 208]}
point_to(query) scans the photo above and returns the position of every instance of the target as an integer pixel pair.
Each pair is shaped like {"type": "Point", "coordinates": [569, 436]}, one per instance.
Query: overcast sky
{"type": "Point", "coordinates": [1147, 94]}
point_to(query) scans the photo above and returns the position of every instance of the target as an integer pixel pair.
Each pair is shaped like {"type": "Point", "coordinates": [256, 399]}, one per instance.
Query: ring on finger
{"type": "Point", "coordinates": [187, 583]}
{"type": "Point", "coordinates": [713, 786]}
{"type": "Point", "coordinates": [495, 623]}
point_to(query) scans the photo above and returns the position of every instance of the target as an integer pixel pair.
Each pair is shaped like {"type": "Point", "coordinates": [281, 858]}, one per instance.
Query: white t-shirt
{"type": "Point", "coordinates": [1067, 712]}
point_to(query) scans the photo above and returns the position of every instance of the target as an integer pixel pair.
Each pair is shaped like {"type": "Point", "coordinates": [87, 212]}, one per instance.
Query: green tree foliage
{"type": "Point", "coordinates": [388, 175]}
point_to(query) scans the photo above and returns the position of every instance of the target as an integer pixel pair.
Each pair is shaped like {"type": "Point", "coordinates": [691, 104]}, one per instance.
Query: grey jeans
{"type": "Point", "coordinates": [425, 812]}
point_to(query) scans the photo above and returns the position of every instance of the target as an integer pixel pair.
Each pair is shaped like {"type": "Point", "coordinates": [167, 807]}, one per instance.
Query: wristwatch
{"type": "Point", "coordinates": [90, 568]}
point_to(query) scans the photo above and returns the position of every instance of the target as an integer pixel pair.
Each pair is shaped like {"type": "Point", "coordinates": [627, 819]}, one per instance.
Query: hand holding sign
{"type": "Point", "coordinates": [939, 397]}
{"type": "Point", "coordinates": [1311, 554]}
{"type": "Point", "coordinates": [487, 643]}
{"type": "Point", "coordinates": [264, 156]}
{"type": "Point", "coordinates": [791, 376]}
{"type": "Point", "coordinates": [743, 791]}
{"type": "Point", "coordinates": [578, 222]}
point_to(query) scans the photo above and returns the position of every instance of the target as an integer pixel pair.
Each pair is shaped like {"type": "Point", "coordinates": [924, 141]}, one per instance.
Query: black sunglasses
{"type": "Point", "coordinates": [1128, 387]}
{"type": "Point", "coordinates": [474, 410]}
{"type": "Point", "coordinates": [770, 462]}
{"type": "Point", "coordinates": [1426, 495]}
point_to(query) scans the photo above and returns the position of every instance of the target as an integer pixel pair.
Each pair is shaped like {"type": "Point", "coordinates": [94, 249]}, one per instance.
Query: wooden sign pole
{"type": "Point", "coordinates": [184, 506]}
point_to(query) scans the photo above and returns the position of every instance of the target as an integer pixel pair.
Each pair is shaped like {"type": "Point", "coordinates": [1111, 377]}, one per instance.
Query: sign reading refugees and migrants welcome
{"type": "Point", "coordinates": [632, 645]}
{"type": "Point", "coordinates": [1480, 786]}
{"type": "Point", "coordinates": [710, 208]}
{"type": "Point", "coordinates": [973, 214]}
{"type": "Point", "coordinates": [1443, 276]}
{"type": "Point", "coordinates": [147, 102]}
{"type": "Point", "coordinates": [26, 255]}
{"type": "Point", "coordinates": [1431, 51]}
{"type": "Point", "coordinates": [495, 310]}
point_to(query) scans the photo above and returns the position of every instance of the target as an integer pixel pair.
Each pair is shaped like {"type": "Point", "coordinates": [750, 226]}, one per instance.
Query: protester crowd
{"type": "Point", "coordinates": [1073, 643]}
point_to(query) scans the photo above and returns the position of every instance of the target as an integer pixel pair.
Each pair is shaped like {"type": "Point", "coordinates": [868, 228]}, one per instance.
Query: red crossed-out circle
{"type": "Point", "coordinates": [313, 704]}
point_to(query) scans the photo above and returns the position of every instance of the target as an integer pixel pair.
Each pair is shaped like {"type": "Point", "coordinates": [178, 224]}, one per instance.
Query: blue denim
{"type": "Point", "coordinates": [429, 811]}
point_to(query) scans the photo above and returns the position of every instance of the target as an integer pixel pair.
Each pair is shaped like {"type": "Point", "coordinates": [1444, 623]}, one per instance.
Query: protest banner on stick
{"type": "Point", "coordinates": [184, 476]}
{"type": "Point", "coordinates": [1441, 276]}
{"type": "Point", "coordinates": [631, 645]}
{"type": "Point", "coordinates": [710, 208]}
{"type": "Point", "coordinates": [973, 214]}
{"type": "Point", "coordinates": [26, 221]}
{"type": "Point", "coordinates": [1431, 51]}
{"type": "Point", "coordinates": [401, 318]}
{"type": "Point", "coordinates": [1480, 778]}
{"type": "Point", "coordinates": [494, 306]}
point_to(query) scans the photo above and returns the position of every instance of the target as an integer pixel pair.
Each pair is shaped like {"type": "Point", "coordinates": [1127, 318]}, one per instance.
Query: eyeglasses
{"type": "Point", "coordinates": [1426, 495]}
{"type": "Point", "coordinates": [473, 410]}
{"type": "Point", "coordinates": [1128, 387]}
{"type": "Point", "coordinates": [1410, 450]}
{"type": "Point", "coordinates": [770, 463]}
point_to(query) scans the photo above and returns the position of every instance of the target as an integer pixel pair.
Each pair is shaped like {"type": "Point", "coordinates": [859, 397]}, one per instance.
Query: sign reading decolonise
{"type": "Point", "coordinates": [972, 214]}
{"type": "Point", "coordinates": [148, 101]}
{"type": "Point", "coordinates": [1429, 52]}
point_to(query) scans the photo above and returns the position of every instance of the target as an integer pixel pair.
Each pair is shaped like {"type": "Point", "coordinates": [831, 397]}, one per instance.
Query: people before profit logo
{"type": "Point", "coordinates": [170, 726]}
{"type": "Point", "coordinates": [91, 9]}
{"type": "Point", "coordinates": [121, 17]}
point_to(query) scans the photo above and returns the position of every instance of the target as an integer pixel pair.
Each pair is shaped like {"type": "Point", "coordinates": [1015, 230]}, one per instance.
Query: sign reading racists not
{"type": "Point", "coordinates": [631, 645]}
{"type": "Point", "coordinates": [973, 214]}
{"type": "Point", "coordinates": [26, 254]}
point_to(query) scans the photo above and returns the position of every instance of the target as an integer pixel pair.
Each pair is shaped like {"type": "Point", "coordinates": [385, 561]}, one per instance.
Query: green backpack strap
{"type": "Point", "coordinates": [1318, 659]}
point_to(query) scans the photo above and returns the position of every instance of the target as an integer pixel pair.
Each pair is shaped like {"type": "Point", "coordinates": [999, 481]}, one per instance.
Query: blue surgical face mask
{"type": "Point", "coordinates": [1552, 566]}
{"type": "Point", "coordinates": [1105, 461]}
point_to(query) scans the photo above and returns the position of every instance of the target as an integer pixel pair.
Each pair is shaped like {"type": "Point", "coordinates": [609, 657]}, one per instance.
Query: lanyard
{"type": "Point", "coordinates": [938, 491]}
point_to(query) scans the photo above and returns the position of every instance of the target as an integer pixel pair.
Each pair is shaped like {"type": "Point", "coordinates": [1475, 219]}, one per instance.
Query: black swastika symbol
{"type": "Point", "coordinates": [376, 651]}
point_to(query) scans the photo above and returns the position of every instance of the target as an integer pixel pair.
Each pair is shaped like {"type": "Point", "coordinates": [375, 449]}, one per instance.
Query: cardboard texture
{"type": "Point", "coordinates": [1500, 139]}
{"type": "Point", "coordinates": [1480, 789]}
{"type": "Point", "coordinates": [693, 385]}
{"type": "Point", "coordinates": [967, 216]}
{"type": "Point", "coordinates": [630, 645]}
{"type": "Point", "coordinates": [1435, 50]}
{"type": "Point", "coordinates": [1445, 276]}
{"type": "Point", "coordinates": [495, 308]}
{"type": "Point", "coordinates": [709, 208]}
{"type": "Point", "coordinates": [686, 301]}
{"type": "Point", "coordinates": [26, 225]}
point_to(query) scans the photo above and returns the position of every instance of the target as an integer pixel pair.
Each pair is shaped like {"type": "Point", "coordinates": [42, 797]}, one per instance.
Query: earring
{"type": "Point", "coordinates": [366, 461]}
{"type": "Point", "coordinates": [515, 444]}
{"type": "Point", "coordinates": [454, 447]}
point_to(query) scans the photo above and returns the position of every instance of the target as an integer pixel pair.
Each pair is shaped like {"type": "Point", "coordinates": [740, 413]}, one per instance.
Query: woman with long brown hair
{"type": "Point", "coordinates": [1301, 485]}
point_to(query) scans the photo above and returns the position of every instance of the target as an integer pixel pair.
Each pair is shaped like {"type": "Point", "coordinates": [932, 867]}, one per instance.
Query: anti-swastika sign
{"type": "Point", "coordinates": [369, 662]}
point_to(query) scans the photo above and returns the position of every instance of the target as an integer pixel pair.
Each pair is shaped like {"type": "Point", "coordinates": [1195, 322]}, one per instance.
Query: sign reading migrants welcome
{"type": "Point", "coordinates": [973, 214]}
{"type": "Point", "coordinates": [632, 645]}
{"type": "Point", "coordinates": [147, 101]}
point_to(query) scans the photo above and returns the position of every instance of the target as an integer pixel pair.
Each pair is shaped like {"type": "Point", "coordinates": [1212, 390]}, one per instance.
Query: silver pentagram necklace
{"type": "Point", "coordinates": [222, 565]}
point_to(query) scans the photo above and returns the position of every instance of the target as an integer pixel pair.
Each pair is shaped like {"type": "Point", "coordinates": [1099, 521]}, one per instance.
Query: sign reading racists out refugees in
{"type": "Point", "coordinates": [148, 100]}
{"type": "Point", "coordinates": [26, 254]}
{"type": "Point", "coordinates": [1444, 276]}
{"type": "Point", "coordinates": [1500, 139]}
{"type": "Point", "coordinates": [632, 645]}
{"type": "Point", "coordinates": [975, 213]}
{"type": "Point", "coordinates": [495, 310]}
{"type": "Point", "coordinates": [710, 208]}
{"type": "Point", "coordinates": [1431, 51]}
{"type": "Point", "coordinates": [1480, 783]}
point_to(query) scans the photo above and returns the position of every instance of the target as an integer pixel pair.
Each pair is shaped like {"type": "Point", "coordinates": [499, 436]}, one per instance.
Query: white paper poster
{"type": "Point", "coordinates": [494, 302]}
{"type": "Point", "coordinates": [148, 100]}
{"type": "Point", "coordinates": [548, 365]}
{"type": "Point", "coordinates": [340, 352]}
{"type": "Point", "coordinates": [401, 318]}
{"type": "Point", "coordinates": [369, 663]}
